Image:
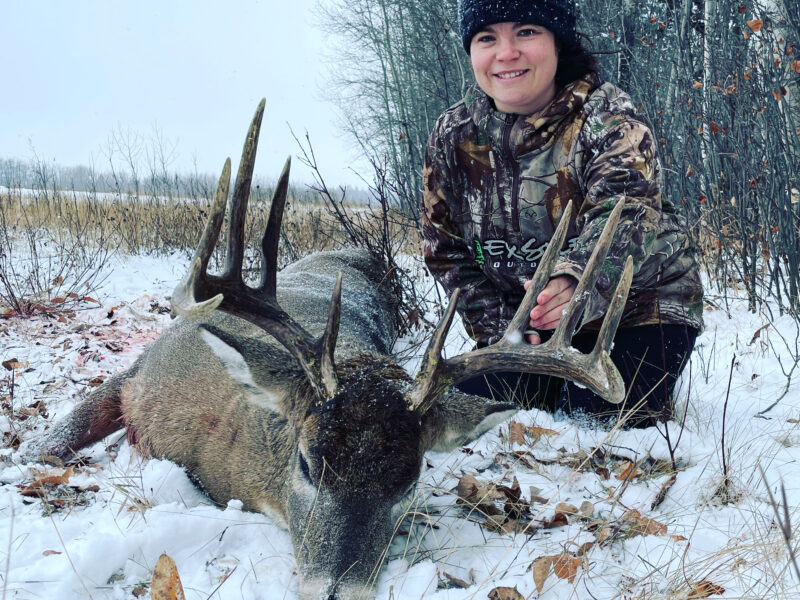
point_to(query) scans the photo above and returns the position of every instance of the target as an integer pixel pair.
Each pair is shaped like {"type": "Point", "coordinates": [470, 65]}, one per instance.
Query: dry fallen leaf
{"type": "Point", "coordinates": [537, 432]}
{"type": "Point", "coordinates": [587, 508]}
{"type": "Point", "coordinates": [584, 548]}
{"type": "Point", "coordinates": [516, 432]}
{"type": "Point", "coordinates": [559, 519]}
{"type": "Point", "coordinates": [33, 490]}
{"type": "Point", "coordinates": [459, 583]}
{"type": "Point", "coordinates": [467, 487]}
{"type": "Point", "coordinates": [704, 589]}
{"type": "Point", "coordinates": [505, 593]}
{"type": "Point", "coordinates": [643, 524]}
{"type": "Point", "coordinates": [567, 509]}
{"type": "Point", "coordinates": [470, 491]}
{"type": "Point", "coordinates": [13, 364]}
{"type": "Point", "coordinates": [565, 566]}
{"type": "Point", "coordinates": [541, 569]}
{"type": "Point", "coordinates": [166, 583]}
{"type": "Point", "coordinates": [628, 471]}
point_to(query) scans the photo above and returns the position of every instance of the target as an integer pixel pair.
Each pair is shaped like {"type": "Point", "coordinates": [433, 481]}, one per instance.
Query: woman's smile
{"type": "Point", "coordinates": [511, 74]}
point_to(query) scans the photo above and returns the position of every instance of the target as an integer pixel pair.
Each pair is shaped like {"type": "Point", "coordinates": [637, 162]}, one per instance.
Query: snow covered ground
{"type": "Point", "coordinates": [96, 531]}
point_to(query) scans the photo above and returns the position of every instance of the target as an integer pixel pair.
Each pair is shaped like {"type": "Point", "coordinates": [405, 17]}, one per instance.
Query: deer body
{"type": "Point", "coordinates": [286, 398]}
{"type": "Point", "coordinates": [232, 411]}
{"type": "Point", "coordinates": [225, 400]}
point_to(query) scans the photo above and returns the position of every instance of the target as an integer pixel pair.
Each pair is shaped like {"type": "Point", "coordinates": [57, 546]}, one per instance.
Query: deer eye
{"type": "Point", "coordinates": [303, 466]}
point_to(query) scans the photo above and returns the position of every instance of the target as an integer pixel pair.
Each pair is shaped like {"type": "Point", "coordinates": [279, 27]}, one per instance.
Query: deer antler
{"type": "Point", "coordinates": [554, 357]}
{"type": "Point", "coordinates": [200, 293]}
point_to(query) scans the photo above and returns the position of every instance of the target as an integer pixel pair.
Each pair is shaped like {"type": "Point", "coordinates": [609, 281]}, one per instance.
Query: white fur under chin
{"type": "Point", "coordinates": [455, 437]}
{"type": "Point", "coordinates": [274, 515]}
{"type": "Point", "coordinates": [319, 589]}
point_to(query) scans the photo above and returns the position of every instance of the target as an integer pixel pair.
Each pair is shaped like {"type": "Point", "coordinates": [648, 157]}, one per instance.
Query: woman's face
{"type": "Point", "coordinates": [515, 64]}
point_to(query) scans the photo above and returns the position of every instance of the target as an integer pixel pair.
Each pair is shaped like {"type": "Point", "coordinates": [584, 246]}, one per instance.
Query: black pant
{"type": "Point", "coordinates": [649, 357]}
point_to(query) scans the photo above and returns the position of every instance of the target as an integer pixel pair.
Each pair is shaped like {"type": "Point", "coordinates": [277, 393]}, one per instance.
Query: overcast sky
{"type": "Point", "coordinates": [194, 71]}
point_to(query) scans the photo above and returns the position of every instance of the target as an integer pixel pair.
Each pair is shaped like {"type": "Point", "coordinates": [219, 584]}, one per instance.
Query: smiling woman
{"type": "Point", "coordinates": [541, 129]}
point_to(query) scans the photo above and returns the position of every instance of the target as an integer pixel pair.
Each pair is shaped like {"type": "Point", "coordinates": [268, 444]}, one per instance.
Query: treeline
{"type": "Point", "coordinates": [37, 174]}
{"type": "Point", "coordinates": [127, 182]}
{"type": "Point", "coordinates": [718, 82]}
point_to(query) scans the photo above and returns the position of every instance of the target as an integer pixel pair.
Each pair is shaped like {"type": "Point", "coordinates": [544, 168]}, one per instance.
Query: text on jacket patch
{"type": "Point", "coordinates": [497, 251]}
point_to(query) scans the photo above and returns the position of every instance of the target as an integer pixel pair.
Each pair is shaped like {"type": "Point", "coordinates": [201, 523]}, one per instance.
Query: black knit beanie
{"type": "Point", "coordinates": [556, 15]}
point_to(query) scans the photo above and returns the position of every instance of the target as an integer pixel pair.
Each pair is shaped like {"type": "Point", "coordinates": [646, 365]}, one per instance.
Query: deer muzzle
{"type": "Point", "coordinates": [339, 545]}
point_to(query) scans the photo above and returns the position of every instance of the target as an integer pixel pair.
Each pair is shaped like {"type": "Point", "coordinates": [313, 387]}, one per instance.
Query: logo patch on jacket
{"type": "Point", "coordinates": [499, 254]}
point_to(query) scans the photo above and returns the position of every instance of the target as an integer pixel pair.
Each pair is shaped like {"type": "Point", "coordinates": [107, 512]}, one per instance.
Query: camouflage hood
{"type": "Point", "coordinates": [495, 185]}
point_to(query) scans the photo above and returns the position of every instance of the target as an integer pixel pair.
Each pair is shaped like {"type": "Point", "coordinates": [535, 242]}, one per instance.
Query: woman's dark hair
{"type": "Point", "coordinates": [574, 61]}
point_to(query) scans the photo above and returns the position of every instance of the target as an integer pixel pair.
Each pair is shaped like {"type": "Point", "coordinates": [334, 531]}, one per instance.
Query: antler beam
{"type": "Point", "coordinates": [555, 357]}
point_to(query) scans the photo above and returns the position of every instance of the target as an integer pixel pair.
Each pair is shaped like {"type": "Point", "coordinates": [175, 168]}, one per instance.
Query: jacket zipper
{"type": "Point", "coordinates": [513, 227]}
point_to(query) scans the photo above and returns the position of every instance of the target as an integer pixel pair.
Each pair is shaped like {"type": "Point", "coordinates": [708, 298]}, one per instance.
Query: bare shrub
{"type": "Point", "coordinates": [50, 250]}
{"type": "Point", "coordinates": [382, 226]}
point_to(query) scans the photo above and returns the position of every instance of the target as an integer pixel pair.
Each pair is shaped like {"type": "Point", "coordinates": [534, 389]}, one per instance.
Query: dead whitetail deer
{"type": "Point", "coordinates": [290, 402]}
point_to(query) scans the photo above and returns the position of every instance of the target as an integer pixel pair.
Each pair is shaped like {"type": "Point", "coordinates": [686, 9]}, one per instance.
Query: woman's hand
{"type": "Point", "coordinates": [550, 304]}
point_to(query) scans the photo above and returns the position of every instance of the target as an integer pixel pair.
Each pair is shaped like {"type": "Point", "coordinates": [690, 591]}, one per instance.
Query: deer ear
{"type": "Point", "coordinates": [243, 360]}
{"type": "Point", "coordinates": [457, 418]}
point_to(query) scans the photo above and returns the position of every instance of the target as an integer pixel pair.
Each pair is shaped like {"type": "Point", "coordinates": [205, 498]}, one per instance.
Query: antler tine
{"type": "Point", "coordinates": [429, 373]}
{"type": "Point", "coordinates": [327, 343]}
{"type": "Point", "coordinates": [594, 370]}
{"type": "Point", "coordinates": [241, 195]}
{"type": "Point", "coordinates": [183, 297]}
{"type": "Point", "coordinates": [272, 234]}
{"type": "Point", "coordinates": [258, 305]}
{"type": "Point", "coordinates": [520, 320]}
{"type": "Point", "coordinates": [605, 338]}
{"type": "Point", "coordinates": [569, 320]}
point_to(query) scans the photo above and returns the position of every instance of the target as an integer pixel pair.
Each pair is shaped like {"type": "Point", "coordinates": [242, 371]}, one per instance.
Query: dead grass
{"type": "Point", "coordinates": [135, 224]}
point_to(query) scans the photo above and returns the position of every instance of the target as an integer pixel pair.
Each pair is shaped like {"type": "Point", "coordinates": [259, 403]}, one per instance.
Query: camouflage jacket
{"type": "Point", "coordinates": [495, 185]}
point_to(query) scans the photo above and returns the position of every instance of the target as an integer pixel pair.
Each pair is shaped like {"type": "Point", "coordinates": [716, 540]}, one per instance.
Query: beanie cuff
{"type": "Point", "coordinates": [557, 16]}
